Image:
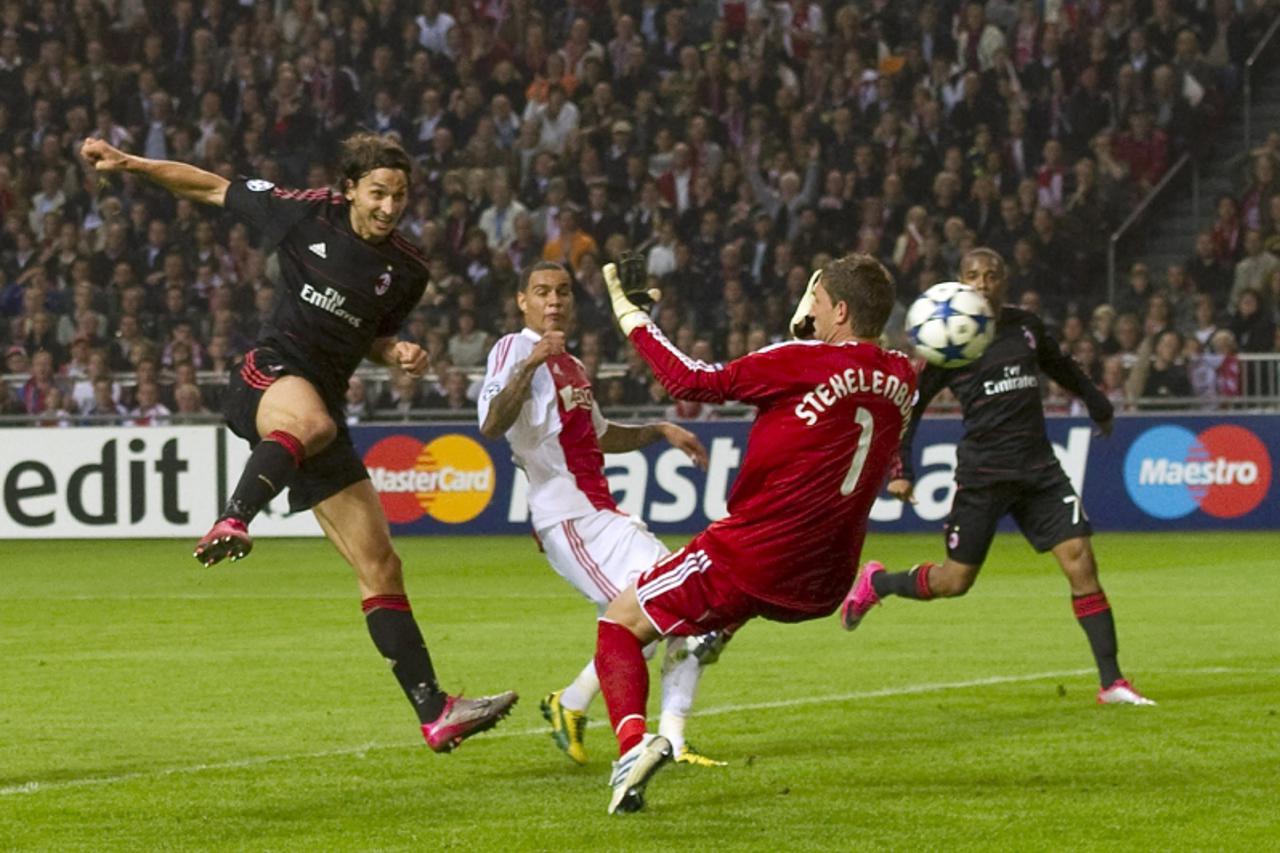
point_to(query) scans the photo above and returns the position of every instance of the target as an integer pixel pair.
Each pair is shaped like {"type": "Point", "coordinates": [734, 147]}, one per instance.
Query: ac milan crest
{"type": "Point", "coordinates": [383, 285]}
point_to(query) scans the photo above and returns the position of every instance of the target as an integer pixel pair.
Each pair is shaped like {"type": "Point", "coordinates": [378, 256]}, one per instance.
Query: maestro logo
{"type": "Point", "coordinates": [1170, 471]}
{"type": "Point", "coordinates": [450, 479]}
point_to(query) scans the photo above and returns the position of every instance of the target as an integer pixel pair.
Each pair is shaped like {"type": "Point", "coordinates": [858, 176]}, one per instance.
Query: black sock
{"type": "Point", "coordinates": [270, 468]}
{"type": "Point", "coordinates": [1093, 612]}
{"type": "Point", "coordinates": [396, 635]}
{"type": "Point", "coordinates": [913, 583]}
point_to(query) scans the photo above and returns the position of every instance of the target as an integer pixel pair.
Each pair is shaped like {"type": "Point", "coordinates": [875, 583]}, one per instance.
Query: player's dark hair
{"type": "Point", "coordinates": [862, 283]}
{"type": "Point", "coordinates": [540, 266]}
{"type": "Point", "coordinates": [984, 252]}
{"type": "Point", "coordinates": [364, 152]}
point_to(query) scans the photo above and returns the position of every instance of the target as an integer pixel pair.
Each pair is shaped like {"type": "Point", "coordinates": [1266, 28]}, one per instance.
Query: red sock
{"type": "Point", "coordinates": [922, 581]}
{"type": "Point", "coordinates": [624, 681]}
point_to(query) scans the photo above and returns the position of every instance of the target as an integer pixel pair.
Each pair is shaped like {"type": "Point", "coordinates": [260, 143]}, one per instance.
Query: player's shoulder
{"type": "Point", "coordinates": [1012, 315]}
{"type": "Point", "coordinates": [410, 251]}
{"type": "Point", "coordinates": [509, 349]}
{"type": "Point", "coordinates": [790, 347]}
{"type": "Point", "coordinates": [318, 196]}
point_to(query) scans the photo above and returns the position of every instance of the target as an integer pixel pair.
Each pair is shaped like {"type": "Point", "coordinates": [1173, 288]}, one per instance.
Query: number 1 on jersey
{"type": "Point", "coordinates": [864, 420]}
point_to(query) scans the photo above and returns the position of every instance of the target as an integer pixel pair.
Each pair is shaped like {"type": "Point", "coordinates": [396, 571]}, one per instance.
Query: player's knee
{"type": "Point", "coordinates": [383, 571]}
{"type": "Point", "coordinates": [314, 429]}
{"type": "Point", "coordinates": [318, 430]}
{"type": "Point", "coordinates": [1076, 556]}
{"type": "Point", "coordinates": [949, 582]}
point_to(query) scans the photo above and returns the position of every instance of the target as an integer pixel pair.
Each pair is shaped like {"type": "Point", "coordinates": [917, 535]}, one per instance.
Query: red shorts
{"type": "Point", "coordinates": [687, 595]}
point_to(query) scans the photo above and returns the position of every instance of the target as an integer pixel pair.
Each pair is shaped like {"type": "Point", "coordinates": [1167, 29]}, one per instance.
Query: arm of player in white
{"type": "Point", "coordinates": [620, 438]}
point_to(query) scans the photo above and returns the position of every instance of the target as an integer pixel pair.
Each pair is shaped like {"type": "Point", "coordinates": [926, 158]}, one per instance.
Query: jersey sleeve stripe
{"type": "Point", "coordinates": [691, 363]}
{"type": "Point", "coordinates": [780, 344]}
{"type": "Point", "coordinates": [402, 243]}
{"type": "Point", "coordinates": [504, 349]}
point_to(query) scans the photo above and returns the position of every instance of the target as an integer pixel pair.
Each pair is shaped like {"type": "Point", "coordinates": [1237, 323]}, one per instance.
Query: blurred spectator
{"type": "Point", "coordinates": [10, 403]}
{"type": "Point", "coordinates": [1144, 149]}
{"type": "Point", "coordinates": [402, 394]}
{"type": "Point", "coordinates": [468, 345]}
{"type": "Point", "coordinates": [1255, 330]}
{"type": "Point", "coordinates": [570, 243]}
{"type": "Point", "coordinates": [1159, 374]}
{"type": "Point", "coordinates": [188, 404]}
{"type": "Point", "coordinates": [1254, 272]}
{"type": "Point", "coordinates": [1206, 271]}
{"type": "Point", "coordinates": [1205, 321]}
{"type": "Point", "coordinates": [41, 383]}
{"type": "Point", "coordinates": [1227, 231]}
{"type": "Point", "coordinates": [147, 409]}
{"type": "Point", "coordinates": [53, 411]}
{"type": "Point", "coordinates": [456, 385]}
{"type": "Point", "coordinates": [357, 406]}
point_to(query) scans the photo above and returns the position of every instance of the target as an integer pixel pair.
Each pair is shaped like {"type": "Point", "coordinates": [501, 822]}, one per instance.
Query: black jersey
{"type": "Point", "coordinates": [337, 291]}
{"type": "Point", "coordinates": [999, 394]}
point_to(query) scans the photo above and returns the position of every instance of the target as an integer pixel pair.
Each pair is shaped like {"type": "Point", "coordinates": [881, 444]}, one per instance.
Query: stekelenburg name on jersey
{"type": "Point", "coordinates": [853, 381]}
{"type": "Point", "coordinates": [330, 300]}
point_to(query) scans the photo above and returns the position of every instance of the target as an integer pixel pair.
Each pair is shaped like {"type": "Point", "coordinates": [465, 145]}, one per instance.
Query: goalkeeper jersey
{"type": "Point", "coordinates": [830, 419]}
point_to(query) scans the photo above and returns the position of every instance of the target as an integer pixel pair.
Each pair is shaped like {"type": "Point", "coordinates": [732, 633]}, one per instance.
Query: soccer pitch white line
{"type": "Point", "coordinates": [884, 692]}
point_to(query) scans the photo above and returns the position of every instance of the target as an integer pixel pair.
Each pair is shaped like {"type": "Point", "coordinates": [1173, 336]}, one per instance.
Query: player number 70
{"type": "Point", "coordinates": [863, 419]}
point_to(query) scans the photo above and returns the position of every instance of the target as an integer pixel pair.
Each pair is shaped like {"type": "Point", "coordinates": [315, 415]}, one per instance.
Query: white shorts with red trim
{"type": "Point", "coordinates": [601, 554]}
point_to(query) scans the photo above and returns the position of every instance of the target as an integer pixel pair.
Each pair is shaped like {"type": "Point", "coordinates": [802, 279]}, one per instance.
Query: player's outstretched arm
{"type": "Point", "coordinates": [620, 438]}
{"type": "Point", "coordinates": [181, 179]}
{"type": "Point", "coordinates": [1063, 369]}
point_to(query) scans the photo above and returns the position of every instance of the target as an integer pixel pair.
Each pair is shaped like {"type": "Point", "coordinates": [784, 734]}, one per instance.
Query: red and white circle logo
{"type": "Point", "coordinates": [450, 479]}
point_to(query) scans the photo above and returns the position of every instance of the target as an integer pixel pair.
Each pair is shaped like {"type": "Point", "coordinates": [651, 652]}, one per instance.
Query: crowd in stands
{"type": "Point", "coordinates": [738, 143]}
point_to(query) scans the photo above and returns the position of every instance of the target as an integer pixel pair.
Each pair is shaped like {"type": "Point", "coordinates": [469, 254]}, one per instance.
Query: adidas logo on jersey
{"type": "Point", "coordinates": [319, 250]}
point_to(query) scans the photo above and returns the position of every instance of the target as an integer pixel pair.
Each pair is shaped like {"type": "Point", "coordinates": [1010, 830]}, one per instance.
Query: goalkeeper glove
{"type": "Point", "coordinates": [626, 282]}
{"type": "Point", "coordinates": [802, 321]}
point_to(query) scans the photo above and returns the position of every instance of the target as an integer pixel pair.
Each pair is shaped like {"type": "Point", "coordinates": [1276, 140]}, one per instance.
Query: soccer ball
{"type": "Point", "coordinates": [950, 325]}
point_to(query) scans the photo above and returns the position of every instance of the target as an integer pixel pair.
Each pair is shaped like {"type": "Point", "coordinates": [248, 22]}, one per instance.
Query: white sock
{"type": "Point", "coordinates": [680, 674]}
{"type": "Point", "coordinates": [578, 695]}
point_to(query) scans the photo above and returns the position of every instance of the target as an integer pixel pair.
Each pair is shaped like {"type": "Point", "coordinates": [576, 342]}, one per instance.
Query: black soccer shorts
{"type": "Point", "coordinates": [1046, 508]}
{"type": "Point", "coordinates": [321, 476]}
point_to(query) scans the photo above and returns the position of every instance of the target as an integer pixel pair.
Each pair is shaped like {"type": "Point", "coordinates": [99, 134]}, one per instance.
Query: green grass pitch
{"type": "Point", "coordinates": [146, 704]}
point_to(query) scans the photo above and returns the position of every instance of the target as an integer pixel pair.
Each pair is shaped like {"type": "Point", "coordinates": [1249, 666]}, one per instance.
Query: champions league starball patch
{"type": "Point", "coordinates": [258, 185]}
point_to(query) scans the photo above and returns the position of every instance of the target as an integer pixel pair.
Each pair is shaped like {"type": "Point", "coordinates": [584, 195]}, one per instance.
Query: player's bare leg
{"type": "Point", "coordinates": [1093, 612]}
{"type": "Point", "coordinates": [623, 632]}
{"type": "Point", "coordinates": [922, 582]}
{"type": "Point", "coordinates": [294, 424]}
{"type": "Point", "coordinates": [356, 525]}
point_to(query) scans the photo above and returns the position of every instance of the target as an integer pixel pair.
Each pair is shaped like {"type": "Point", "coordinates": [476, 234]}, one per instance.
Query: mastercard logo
{"type": "Point", "coordinates": [450, 478]}
{"type": "Point", "coordinates": [1224, 472]}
